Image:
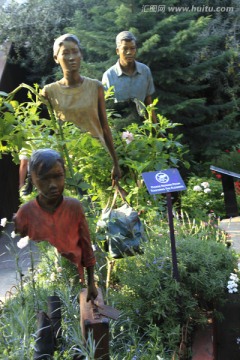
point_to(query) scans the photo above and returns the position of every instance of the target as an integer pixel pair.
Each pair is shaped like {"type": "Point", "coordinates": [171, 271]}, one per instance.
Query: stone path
{"type": "Point", "coordinates": [9, 276]}
{"type": "Point", "coordinates": [232, 227]}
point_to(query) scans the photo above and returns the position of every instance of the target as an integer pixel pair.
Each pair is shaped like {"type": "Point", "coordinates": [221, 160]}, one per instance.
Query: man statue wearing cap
{"type": "Point", "coordinates": [131, 80]}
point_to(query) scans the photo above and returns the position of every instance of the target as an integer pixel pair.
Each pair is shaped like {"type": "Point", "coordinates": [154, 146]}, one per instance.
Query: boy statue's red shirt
{"type": "Point", "coordinates": [66, 229]}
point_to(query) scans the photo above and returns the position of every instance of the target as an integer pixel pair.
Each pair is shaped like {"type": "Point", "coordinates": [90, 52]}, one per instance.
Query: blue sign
{"type": "Point", "coordinates": [163, 181]}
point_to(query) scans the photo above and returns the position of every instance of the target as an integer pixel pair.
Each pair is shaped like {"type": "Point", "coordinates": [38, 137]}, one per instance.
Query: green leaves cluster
{"type": "Point", "coordinates": [201, 204]}
{"type": "Point", "coordinates": [204, 267]}
{"type": "Point", "coordinates": [32, 27]}
{"type": "Point", "coordinates": [155, 308]}
{"type": "Point", "coordinates": [88, 163]}
{"type": "Point", "coordinates": [21, 125]}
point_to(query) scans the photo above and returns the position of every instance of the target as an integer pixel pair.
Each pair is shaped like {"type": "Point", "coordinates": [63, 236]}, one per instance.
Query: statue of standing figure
{"type": "Point", "coordinates": [132, 83]}
{"type": "Point", "coordinates": [79, 99]}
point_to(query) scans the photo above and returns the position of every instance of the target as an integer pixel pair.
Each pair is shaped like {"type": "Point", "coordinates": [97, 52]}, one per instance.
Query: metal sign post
{"type": "Point", "coordinates": [166, 181]}
{"type": "Point", "coordinates": [172, 238]}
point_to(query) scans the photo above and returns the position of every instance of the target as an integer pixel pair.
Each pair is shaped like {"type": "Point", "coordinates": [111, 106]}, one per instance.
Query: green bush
{"type": "Point", "coordinates": [203, 199]}
{"type": "Point", "coordinates": [155, 307]}
{"type": "Point", "coordinates": [151, 297]}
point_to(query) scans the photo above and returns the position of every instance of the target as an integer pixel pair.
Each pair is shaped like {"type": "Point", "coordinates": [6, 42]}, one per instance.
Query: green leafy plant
{"type": "Point", "coordinates": [155, 307]}
{"type": "Point", "coordinates": [151, 297]}
{"type": "Point", "coordinates": [153, 147]}
{"type": "Point", "coordinates": [203, 199]}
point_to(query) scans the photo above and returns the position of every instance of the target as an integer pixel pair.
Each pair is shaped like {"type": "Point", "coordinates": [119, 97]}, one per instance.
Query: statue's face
{"type": "Point", "coordinates": [127, 52]}
{"type": "Point", "coordinates": [50, 184]}
{"type": "Point", "coordinates": [69, 56]}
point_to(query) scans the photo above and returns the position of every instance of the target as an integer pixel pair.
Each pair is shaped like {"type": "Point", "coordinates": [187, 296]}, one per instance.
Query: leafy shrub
{"type": "Point", "coordinates": [151, 297]}
{"type": "Point", "coordinates": [88, 164]}
{"type": "Point", "coordinates": [203, 198]}
{"type": "Point", "coordinates": [154, 306]}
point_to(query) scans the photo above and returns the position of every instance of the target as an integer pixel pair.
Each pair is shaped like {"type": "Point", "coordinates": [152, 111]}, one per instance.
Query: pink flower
{"type": "Point", "coordinates": [126, 135]}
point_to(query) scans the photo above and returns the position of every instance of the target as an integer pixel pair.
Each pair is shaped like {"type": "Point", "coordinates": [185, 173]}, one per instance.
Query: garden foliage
{"type": "Point", "coordinates": [155, 307]}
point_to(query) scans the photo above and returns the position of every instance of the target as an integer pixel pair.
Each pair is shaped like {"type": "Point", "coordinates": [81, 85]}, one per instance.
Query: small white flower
{"type": "Point", "coordinates": [59, 269]}
{"type": "Point", "coordinates": [101, 223]}
{"type": "Point", "coordinates": [23, 242]}
{"type": "Point", "coordinates": [197, 188]}
{"type": "Point", "coordinates": [13, 234]}
{"type": "Point", "coordinates": [127, 136]}
{"type": "Point", "coordinates": [205, 184]}
{"type": "Point", "coordinates": [52, 276]}
{"type": "Point", "coordinates": [207, 190]}
{"type": "Point", "coordinates": [238, 340]}
{"type": "Point", "coordinates": [3, 222]}
{"type": "Point", "coordinates": [232, 284]}
{"type": "Point", "coordinates": [233, 277]}
{"type": "Point", "coordinates": [222, 194]}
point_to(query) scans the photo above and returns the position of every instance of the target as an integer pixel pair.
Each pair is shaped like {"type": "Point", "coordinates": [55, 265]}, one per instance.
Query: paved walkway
{"type": "Point", "coordinates": [8, 273]}
{"type": "Point", "coordinates": [9, 276]}
{"type": "Point", "coordinates": [232, 227]}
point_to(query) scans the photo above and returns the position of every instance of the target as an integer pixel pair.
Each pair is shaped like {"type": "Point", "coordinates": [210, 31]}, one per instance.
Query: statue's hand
{"type": "Point", "coordinates": [92, 292]}
{"type": "Point", "coordinates": [116, 174]}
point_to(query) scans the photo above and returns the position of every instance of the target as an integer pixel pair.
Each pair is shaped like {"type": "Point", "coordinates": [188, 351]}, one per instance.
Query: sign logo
{"type": "Point", "coordinates": [162, 178]}
{"type": "Point", "coordinates": [163, 181]}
